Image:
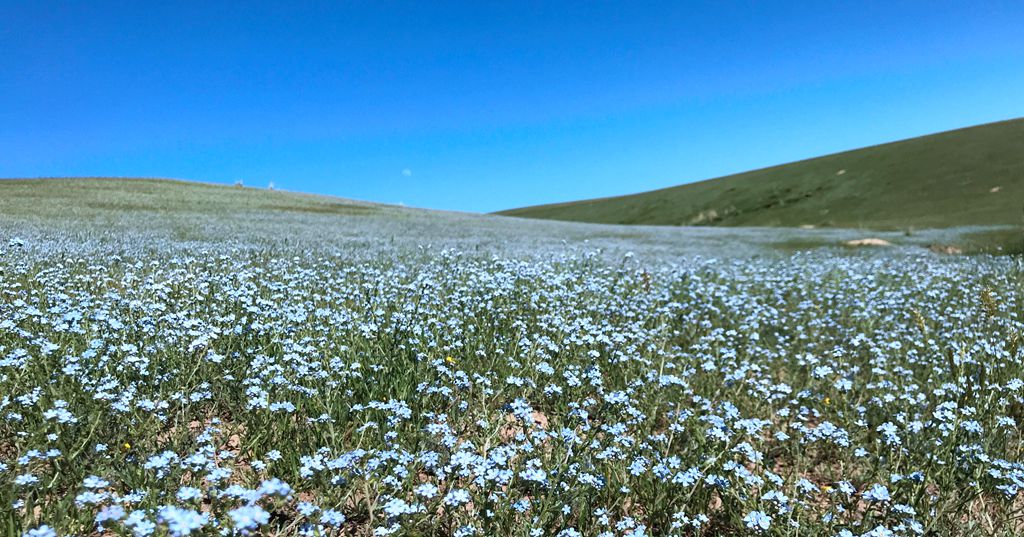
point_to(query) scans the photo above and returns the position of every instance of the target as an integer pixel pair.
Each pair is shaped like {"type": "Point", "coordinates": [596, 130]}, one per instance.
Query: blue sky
{"type": "Point", "coordinates": [483, 106]}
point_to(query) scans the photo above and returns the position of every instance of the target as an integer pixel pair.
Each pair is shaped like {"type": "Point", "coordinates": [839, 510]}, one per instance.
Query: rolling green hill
{"type": "Point", "coordinates": [89, 196]}
{"type": "Point", "coordinates": [971, 176]}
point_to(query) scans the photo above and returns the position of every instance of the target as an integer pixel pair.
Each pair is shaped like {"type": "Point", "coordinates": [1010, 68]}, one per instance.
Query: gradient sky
{"type": "Point", "coordinates": [482, 106]}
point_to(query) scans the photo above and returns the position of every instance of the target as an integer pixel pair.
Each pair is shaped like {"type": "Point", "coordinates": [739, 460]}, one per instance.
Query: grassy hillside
{"type": "Point", "coordinates": [80, 197]}
{"type": "Point", "coordinates": [972, 176]}
{"type": "Point", "coordinates": [141, 212]}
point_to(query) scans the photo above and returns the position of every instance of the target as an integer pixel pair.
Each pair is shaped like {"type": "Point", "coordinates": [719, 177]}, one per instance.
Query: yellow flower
{"type": "Point", "coordinates": [126, 446]}
{"type": "Point", "coordinates": [828, 400]}
{"type": "Point", "coordinates": [450, 360]}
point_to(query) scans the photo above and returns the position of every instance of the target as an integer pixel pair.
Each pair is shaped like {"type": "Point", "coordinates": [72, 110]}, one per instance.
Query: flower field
{"type": "Point", "coordinates": [211, 390]}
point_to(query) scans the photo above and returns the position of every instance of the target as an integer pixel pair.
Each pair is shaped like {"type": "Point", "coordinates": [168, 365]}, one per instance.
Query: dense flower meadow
{"type": "Point", "coordinates": [221, 391]}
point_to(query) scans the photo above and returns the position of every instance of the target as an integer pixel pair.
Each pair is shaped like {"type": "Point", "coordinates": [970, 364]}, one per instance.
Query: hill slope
{"type": "Point", "coordinates": [88, 196]}
{"type": "Point", "coordinates": [971, 176]}
{"type": "Point", "coordinates": [131, 215]}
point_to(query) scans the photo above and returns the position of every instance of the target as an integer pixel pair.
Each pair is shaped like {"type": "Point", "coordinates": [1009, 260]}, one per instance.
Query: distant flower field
{"type": "Point", "coordinates": [204, 391]}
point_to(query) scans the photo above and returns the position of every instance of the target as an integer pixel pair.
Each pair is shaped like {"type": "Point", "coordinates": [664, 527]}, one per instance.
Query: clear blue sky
{"type": "Point", "coordinates": [481, 106]}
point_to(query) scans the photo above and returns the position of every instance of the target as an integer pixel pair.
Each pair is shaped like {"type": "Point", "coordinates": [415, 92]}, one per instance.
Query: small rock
{"type": "Point", "coordinates": [871, 241]}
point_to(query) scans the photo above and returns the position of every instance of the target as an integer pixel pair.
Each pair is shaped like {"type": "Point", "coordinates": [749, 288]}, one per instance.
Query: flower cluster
{"type": "Point", "coordinates": [248, 391]}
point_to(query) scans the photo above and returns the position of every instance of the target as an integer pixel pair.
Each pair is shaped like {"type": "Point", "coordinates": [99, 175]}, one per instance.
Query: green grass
{"type": "Point", "coordinates": [972, 176]}
{"type": "Point", "coordinates": [70, 198]}
{"type": "Point", "coordinates": [1005, 241]}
